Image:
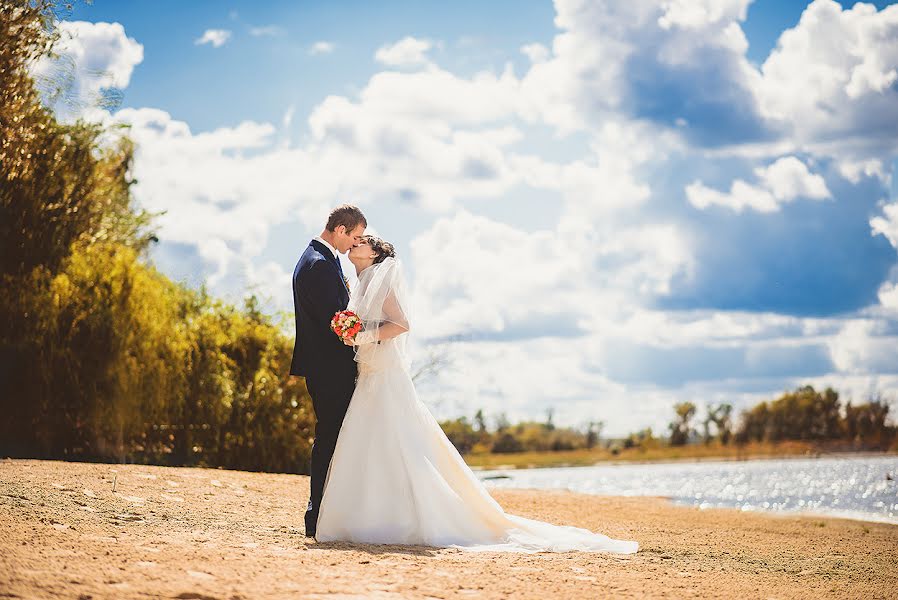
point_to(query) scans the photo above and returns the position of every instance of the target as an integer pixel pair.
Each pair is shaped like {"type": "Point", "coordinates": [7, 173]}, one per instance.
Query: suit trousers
{"type": "Point", "coordinates": [330, 394]}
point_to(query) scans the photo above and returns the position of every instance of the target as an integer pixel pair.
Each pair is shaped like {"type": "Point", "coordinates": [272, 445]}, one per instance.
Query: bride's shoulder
{"type": "Point", "coordinates": [387, 265]}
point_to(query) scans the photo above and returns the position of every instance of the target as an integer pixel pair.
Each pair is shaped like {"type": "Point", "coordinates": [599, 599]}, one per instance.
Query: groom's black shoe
{"type": "Point", "coordinates": [310, 525]}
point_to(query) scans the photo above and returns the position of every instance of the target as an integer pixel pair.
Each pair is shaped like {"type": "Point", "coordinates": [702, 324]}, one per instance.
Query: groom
{"type": "Point", "coordinates": [320, 291]}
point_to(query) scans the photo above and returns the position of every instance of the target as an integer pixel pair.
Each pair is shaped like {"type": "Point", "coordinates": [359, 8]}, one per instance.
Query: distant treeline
{"type": "Point", "coordinates": [102, 356]}
{"type": "Point", "coordinates": [802, 415]}
{"type": "Point", "coordinates": [528, 436]}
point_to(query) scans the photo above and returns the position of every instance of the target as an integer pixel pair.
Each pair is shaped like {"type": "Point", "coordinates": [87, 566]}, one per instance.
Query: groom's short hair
{"type": "Point", "coordinates": [346, 215]}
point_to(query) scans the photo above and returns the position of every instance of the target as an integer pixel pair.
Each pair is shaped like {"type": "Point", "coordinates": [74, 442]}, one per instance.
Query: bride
{"type": "Point", "coordinates": [395, 478]}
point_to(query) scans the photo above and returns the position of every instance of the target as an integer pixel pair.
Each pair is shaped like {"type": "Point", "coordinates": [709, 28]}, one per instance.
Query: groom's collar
{"type": "Point", "coordinates": [321, 241]}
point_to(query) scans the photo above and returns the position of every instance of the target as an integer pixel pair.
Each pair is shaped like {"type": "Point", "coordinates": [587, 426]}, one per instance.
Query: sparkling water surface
{"type": "Point", "coordinates": [851, 487]}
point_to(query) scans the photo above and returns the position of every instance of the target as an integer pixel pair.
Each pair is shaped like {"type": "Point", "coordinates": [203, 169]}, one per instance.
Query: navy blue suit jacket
{"type": "Point", "coordinates": [318, 293]}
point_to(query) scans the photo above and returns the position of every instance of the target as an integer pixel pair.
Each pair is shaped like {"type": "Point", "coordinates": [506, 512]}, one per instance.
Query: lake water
{"type": "Point", "coordinates": [855, 487]}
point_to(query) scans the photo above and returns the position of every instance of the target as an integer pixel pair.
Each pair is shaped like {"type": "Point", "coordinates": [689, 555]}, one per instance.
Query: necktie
{"type": "Point", "coordinates": [340, 270]}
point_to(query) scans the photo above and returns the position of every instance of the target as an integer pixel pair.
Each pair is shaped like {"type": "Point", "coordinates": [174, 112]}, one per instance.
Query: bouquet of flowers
{"type": "Point", "coordinates": [346, 324]}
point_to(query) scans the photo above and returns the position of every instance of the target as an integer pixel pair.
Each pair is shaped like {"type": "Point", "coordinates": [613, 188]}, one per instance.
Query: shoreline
{"type": "Point", "coordinates": [691, 459]}
{"type": "Point", "coordinates": [475, 465]}
{"type": "Point", "coordinates": [847, 515]}
{"type": "Point", "coordinates": [493, 478]}
{"type": "Point", "coordinates": [212, 533]}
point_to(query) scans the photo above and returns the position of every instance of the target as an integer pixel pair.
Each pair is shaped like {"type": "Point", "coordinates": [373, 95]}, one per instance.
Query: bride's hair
{"type": "Point", "coordinates": [382, 248]}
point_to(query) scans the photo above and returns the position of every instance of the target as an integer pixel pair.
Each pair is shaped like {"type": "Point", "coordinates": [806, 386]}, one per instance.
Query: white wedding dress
{"type": "Point", "coordinates": [395, 478]}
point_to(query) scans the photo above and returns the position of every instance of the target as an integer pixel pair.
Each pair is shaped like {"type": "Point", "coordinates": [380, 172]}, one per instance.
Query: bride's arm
{"type": "Point", "coordinates": [395, 324]}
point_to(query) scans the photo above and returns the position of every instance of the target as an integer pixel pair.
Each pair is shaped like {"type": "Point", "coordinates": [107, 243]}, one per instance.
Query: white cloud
{"type": "Point", "coordinates": [688, 14]}
{"type": "Point", "coordinates": [428, 137]}
{"type": "Point", "coordinates": [501, 282]}
{"type": "Point", "coordinates": [636, 365]}
{"type": "Point", "coordinates": [322, 47]}
{"type": "Point", "coordinates": [216, 37]}
{"type": "Point", "coordinates": [537, 53]}
{"type": "Point", "coordinates": [287, 119]}
{"type": "Point", "coordinates": [741, 196]}
{"type": "Point", "coordinates": [863, 347]}
{"type": "Point", "coordinates": [788, 178]}
{"type": "Point", "coordinates": [266, 31]}
{"type": "Point", "coordinates": [440, 97]}
{"type": "Point", "coordinates": [97, 56]}
{"type": "Point", "coordinates": [213, 196]}
{"type": "Point", "coordinates": [831, 78]}
{"type": "Point", "coordinates": [888, 297]}
{"type": "Point", "coordinates": [490, 276]}
{"type": "Point", "coordinates": [408, 51]}
{"type": "Point", "coordinates": [853, 170]}
{"type": "Point", "coordinates": [634, 58]}
{"type": "Point", "coordinates": [780, 182]}
{"type": "Point", "coordinates": [887, 224]}
{"type": "Point", "coordinates": [522, 379]}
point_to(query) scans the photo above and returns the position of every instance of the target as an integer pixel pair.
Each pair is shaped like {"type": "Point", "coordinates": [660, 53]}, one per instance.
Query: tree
{"type": "Point", "coordinates": [706, 427]}
{"type": "Point", "coordinates": [502, 423]}
{"type": "Point", "coordinates": [460, 433]}
{"type": "Point", "coordinates": [507, 443]}
{"type": "Point", "coordinates": [865, 424]}
{"type": "Point", "coordinates": [804, 414]}
{"type": "Point", "coordinates": [680, 429]}
{"type": "Point", "coordinates": [754, 424]}
{"type": "Point", "coordinates": [720, 416]}
{"type": "Point", "coordinates": [593, 431]}
{"type": "Point", "coordinates": [643, 438]}
{"type": "Point", "coordinates": [479, 422]}
{"type": "Point", "coordinates": [102, 356]}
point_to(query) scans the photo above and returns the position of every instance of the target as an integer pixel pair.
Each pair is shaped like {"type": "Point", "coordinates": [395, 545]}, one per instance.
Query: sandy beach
{"type": "Point", "coordinates": [78, 530]}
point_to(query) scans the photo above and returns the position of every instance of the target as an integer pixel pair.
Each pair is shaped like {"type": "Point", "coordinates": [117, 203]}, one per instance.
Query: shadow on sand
{"type": "Point", "coordinates": [378, 549]}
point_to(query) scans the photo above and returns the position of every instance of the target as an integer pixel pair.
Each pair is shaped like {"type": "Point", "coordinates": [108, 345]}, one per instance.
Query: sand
{"type": "Point", "coordinates": [203, 533]}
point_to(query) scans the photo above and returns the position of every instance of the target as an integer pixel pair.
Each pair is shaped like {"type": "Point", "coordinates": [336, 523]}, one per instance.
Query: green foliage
{"type": "Point", "coordinates": [806, 414]}
{"type": "Point", "coordinates": [101, 356]}
{"type": "Point", "coordinates": [803, 416]}
{"type": "Point", "coordinates": [866, 423]}
{"type": "Point", "coordinates": [506, 442]}
{"type": "Point", "coordinates": [58, 185]}
{"type": "Point", "coordinates": [527, 436]}
{"type": "Point", "coordinates": [643, 439]}
{"type": "Point", "coordinates": [461, 434]}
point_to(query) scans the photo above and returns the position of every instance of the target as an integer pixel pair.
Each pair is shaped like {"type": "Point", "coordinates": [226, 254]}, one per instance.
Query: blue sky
{"type": "Point", "coordinates": [276, 71]}
{"type": "Point", "coordinates": [602, 208]}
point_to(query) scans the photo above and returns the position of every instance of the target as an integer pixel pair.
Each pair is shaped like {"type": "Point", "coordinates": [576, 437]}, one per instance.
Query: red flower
{"type": "Point", "coordinates": [346, 324]}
